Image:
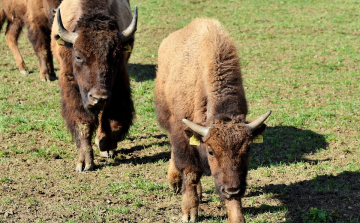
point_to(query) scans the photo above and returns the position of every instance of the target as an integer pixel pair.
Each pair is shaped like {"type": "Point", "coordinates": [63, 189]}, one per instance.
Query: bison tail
{"type": "Point", "coordinates": [2, 18]}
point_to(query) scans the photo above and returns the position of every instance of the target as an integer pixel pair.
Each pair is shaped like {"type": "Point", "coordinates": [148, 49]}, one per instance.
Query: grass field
{"type": "Point", "coordinates": [299, 58]}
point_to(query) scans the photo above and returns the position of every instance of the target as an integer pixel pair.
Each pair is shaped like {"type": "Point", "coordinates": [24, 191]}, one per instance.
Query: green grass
{"type": "Point", "coordinates": [5, 180]}
{"type": "Point", "coordinates": [298, 58]}
{"type": "Point", "coordinates": [135, 183]}
{"type": "Point", "coordinates": [314, 215]}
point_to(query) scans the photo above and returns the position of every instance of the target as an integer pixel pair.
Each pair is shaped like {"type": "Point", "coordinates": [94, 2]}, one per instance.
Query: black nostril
{"type": "Point", "coordinates": [98, 100]}
{"type": "Point", "coordinates": [230, 191]}
{"type": "Point", "coordinates": [233, 190]}
{"type": "Point", "coordinates": [101, 100]}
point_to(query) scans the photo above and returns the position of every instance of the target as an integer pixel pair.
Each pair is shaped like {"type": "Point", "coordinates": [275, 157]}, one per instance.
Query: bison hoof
{"type": "Point", "coordinates": [48, 77]}
{"type": "Point", "coordinates": [107, 154]}
{"type": "Point", "coordinates": [175, 186]}
{"type": "Point", "coordinates": [24, 72]}
{"type": "Point", "coordinates": [52, 77]}
{"type": "Point", "coordinates": [186, 219]}
{"type": "Point", "coordinates": [89, 166]}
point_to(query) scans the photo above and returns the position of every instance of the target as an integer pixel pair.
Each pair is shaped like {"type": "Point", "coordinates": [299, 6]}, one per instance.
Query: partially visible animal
{"type": "Point", "coordinates": [92, 42]}
{"type": "Point", "coordinates": [200, 101]}
{"type": "Point", "coordinates": [37, 16]}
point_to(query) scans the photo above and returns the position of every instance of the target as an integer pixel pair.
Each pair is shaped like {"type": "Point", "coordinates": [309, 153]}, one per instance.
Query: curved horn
{"type": "Point", "coordinates": [255, 124]}
{"type": "Point", "coordinates": [131, 29]}
{"type": "Point", "coordinates": [67, 36]}
{"type": "Point", "coordinates": [201, 130]}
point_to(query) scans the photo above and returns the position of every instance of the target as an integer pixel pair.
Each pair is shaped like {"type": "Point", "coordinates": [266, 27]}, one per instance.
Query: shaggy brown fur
{"type": "Point", "coordinates": [95, 62]}
{"type": "Point", "coordinates": [37, 16]}
{"type": "Point", "coordinates": [199, 79]}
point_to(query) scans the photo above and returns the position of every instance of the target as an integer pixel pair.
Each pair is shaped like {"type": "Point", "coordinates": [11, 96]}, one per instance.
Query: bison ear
{"type": "Point", "coordinates": [259, 130]}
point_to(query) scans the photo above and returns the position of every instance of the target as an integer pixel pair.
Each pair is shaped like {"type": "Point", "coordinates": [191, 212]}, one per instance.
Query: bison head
{"type": "Point", "coordinates": [98, 55]}
{"type": "Point", "coordinates": [227, 144]}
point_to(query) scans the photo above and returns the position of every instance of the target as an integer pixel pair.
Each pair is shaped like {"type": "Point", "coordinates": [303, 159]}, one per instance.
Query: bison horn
{"type": "Point", "coordinates": [131, 29]}
{"type": "Point", "coordinates": [67, 36]}
{"type": "Point", "coordinates": [255, 124]}
{"type": "Point", "coordinates": [201, 130]}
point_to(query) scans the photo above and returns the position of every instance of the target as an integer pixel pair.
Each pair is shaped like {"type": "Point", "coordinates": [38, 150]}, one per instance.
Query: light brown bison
{"type": "Point", "coordinates": [92, 40]}
{"type": "Point", "coordinates": [37, 16]}
{"type": "Point", "coordinates": [199, 96]}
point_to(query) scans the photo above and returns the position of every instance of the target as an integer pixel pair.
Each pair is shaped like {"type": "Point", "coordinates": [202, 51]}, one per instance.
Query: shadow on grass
{"type": "Point", "coordinates": [339, 196]}
{"type": "Point", "coordinates": [164, 156]}
{"type": "Point", "coordinates": [142, 72]}
{"type": "Point", "coordinates": [285, 144]}
{"type": "Point", "coordinates": [142, 147]}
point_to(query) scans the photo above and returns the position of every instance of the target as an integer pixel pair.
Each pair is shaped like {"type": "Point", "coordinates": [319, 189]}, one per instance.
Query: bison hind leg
{"type": "Point", "coordinates": [13, 31]}
{"type": "Point", "coordinates": [174, 178]}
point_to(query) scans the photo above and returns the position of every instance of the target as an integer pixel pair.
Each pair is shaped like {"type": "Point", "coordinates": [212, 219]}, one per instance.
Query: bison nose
{"type": "Point", "coordinates": [98, 97]}
{"type": "Point", "coordinates": [230, 192]}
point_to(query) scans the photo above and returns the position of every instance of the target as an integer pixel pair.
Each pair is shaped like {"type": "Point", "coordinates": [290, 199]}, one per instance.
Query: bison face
{"type": "Point", "coordinates": [227, 144]}
{"type": "Point", "coordinates": [227, 149]}
{"type": "Point", "coordinates": [96, 60]}
{"type": "Point", "coordinates": [97, 54]}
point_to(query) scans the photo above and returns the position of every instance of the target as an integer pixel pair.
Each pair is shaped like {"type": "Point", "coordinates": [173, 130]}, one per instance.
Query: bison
{"type": "Point", "coordinates": [200, 102]}
{"type": "Point", "coordinates": [37, 16]}
{"type": "Point", "coordinates": [92, 42]}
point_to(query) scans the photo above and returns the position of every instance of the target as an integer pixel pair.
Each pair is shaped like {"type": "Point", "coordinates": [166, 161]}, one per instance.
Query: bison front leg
{"type": "Point", "coordinates": [190, 202]}
{"type": "Point", "coordinates": [116, 119]}
{"type": "Point", "coordinates": [104, 137]}
{"type": "Point", "coordinates": [234, 210]}
{"type": "Point", "coordinates": [83, 140]}
{"type": "Point", "coordinates": [79, 121]}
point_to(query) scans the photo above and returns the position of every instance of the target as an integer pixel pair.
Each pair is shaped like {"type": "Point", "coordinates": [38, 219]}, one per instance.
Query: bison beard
{"type": "Point", "coordinates": [199, 81]}
{"type": "Point", "coordinates": [94, 79]}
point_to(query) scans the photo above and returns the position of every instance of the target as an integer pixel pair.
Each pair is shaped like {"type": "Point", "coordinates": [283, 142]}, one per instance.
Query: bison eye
{"type": "Point", "coordinates": [211, 153]}
{"type": "Point", "coordinates": [78, 59]}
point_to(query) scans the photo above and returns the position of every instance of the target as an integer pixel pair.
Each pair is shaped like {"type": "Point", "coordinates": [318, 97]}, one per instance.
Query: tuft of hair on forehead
{"type": "Point", "coordinates": [231, 131]}
{"type": "Point", "coordinates": [97, 22]}
{"type": "Point", "coordinates": [227, 119]}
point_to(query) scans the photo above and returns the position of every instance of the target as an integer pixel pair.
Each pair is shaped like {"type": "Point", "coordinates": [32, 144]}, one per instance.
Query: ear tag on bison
{"type": "Point", "coordinates": [127, 48]}
{"type": "Point", "coordinates": [194, 141]}
{"type": "Point", "coordinates": [258, 139]}
{"type": "Point", "coordinates": [60, 42]}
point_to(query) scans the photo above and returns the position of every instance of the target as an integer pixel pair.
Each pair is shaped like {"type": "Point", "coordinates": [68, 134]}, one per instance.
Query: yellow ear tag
{"type": "Point", "coordinates": [258, 139]}
{"type": "Point", "coordinates": [127, 48]}
{"type": "Point", "coordinates": [194, 141]}
{"type": "Point", "coordinates": [60, 42]}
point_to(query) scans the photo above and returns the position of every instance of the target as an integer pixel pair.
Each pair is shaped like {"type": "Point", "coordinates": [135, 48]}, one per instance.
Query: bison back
{"type": "Point", "coordinates": [196, 66]}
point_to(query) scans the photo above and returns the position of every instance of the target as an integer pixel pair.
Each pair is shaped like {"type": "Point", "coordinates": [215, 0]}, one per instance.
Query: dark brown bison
{"type": "Point", "coordinates": [92, 40]}
{"type": "Point", "coordinates": [199, 97]}
{"type": "Point", "coordinates": [37, 16]}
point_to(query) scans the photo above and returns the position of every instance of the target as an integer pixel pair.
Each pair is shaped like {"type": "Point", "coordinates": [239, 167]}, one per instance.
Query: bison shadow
{"type": "Point", "coordinates": [118, 153]}
{"type": "Point", "coordinates": [282, 145]}
{"type": "Point", "coordinates": [338, 196]}
{"type": "Point", "coordinates": [285, 144]}
{"type": "Point", "coordinates": [142, 72]}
